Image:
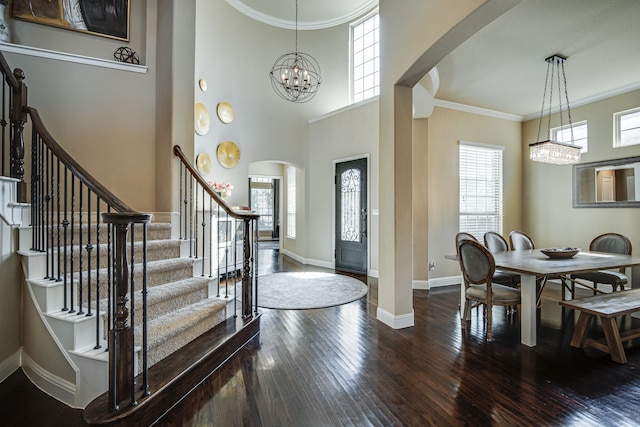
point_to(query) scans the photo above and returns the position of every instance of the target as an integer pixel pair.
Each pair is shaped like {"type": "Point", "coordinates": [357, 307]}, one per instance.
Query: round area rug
{"type": "Point", "coordinates": [306, 290]}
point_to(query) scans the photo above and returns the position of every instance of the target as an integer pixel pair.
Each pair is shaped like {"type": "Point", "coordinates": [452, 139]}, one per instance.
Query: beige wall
{"type": "Point", "coordinates": [102, 117]}
{"type": "Point", "coordinates": [415, 38]}
{"type": "Point", "coordinates": [348, 134]}
{"type": "Point", "coordinates": [446, 129]}
{"type": "Point", "coordinates": [548, 211]}
{"type": "Point", "coordinates": [10, 297]}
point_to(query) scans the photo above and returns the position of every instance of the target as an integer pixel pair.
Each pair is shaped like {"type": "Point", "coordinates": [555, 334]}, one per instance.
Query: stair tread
{"type": "Point", "coordinates": [180, 320]}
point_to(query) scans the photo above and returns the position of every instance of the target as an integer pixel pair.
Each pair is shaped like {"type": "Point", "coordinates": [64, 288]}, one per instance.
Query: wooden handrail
{"type": "Point", "coordinates": [85, 177]}
{"type": "Point", "coordinates": [205, 185]}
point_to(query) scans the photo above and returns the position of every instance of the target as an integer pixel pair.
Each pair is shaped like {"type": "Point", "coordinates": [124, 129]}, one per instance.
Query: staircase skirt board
{"type": "Point", "coordinates": [178, 374]}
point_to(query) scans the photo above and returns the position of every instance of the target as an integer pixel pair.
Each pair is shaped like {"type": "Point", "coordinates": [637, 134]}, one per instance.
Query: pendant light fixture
{"type": "Point", "coordinates": [549, 151]}
{"type": "Point", "coordinates": [296, 76]}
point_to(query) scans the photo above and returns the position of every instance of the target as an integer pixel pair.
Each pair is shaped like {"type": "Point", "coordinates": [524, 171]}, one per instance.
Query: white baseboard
{"type": "Point", "coordinates": [420, 284]}
{"type": "Point", "coordinates": [54, 386]}
{"type": "Point", "coordinates": [396, 322]}
{"type": "Point", "coordinates": [373, 273]}
{"type": "Point", "coordinates": [319, 263]}
{"type": "Point", "coordinates": [444, 281]}
{"type": "Point", "coordinates": [9, 365]}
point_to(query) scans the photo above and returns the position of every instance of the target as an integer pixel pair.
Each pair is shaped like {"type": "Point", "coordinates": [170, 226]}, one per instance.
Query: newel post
{"type": "Point", "coordinates": [247, 291]}
{"type": "Point", "coordinates": [18, 120]}
{"type": "Point", "coordinates": [121, 336]}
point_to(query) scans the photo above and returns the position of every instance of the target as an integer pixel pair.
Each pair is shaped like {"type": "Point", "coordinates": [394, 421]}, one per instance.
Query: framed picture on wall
{"type": "Point", "coordinates": [106, 18]}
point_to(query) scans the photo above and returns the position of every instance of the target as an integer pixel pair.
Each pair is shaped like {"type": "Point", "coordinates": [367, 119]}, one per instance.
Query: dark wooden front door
{"type": "Point", "coordinates": [351, 216]}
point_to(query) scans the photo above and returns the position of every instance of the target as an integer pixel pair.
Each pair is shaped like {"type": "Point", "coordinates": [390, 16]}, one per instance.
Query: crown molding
{"type": "Point", "coordinates": [71, 57]}
{"type": "Point", "coordinates": [309, 25]}
{"type": "Point", "coordinates": [477, 110]}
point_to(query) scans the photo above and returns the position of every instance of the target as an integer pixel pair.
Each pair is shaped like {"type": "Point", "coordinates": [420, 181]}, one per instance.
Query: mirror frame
{"type": "Point", "coordinates": [577, 168]}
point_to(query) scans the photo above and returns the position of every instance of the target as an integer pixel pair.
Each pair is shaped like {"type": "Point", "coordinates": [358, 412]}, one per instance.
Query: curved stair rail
{"type": "Point", "coordinates": [81, 228]}
{"type": "Point", "coordinates": [200, 208]}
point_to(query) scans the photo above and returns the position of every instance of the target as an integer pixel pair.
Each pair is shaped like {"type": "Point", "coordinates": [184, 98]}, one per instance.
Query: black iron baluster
{"type": "Point", "coordinates": [191, 210]}
{"type": "Point", "coordinates": [210, 237]}
{"type": "Point", "coordinates": [185, 201]}
{"type": "Point", "coordinates": [97, 273]}
{"type": "Point", "coordinates": [180, 200]}
{"type": "Point", "coordinates": [204, 226]}
{"type": "Point", "coordinates": [4, 126]}
{"type": "Point", "coordinates": [47, 199]}
{"type": "Point", "coordinates": [41, 200]}
{"type": "Point", "coordinates": [58, 222]}
{"type": "Point", "coordinates": [72, 246]}
{"type": "Point", "coordinates": [65, 225]}
{"type": "Point", "coordinates": [132, 317]}
{"type": "Point", "coordinates": [227, 241]}
{"type": "Point", "coordinates": [218, 250]}
{"type": "Point", "coordinates": [50, 226]}
{"type": "Point", "coordinates": [80, 270]}
{"type": "Point", "coordinates": [89, 249]}
{"type": "Point", "coordinates": [110, 266]}
{"type": "Point", "coordinates": [145, 343]}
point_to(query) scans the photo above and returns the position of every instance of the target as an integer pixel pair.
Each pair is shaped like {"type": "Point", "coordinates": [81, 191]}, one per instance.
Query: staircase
{"type": "Point", "coordinates": [113, 305]}
{"type": "Point", "coordinates": [181, 304]}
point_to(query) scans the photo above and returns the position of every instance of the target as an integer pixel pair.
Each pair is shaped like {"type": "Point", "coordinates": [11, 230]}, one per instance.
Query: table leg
{"type": "Point", "coordinates": [612, 335]}
{"type": "Point", "coordinates": [528, 309]}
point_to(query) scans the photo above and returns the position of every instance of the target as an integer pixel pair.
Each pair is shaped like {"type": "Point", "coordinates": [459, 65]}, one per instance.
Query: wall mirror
{"type": "Point", "coordinates": [607, 184]}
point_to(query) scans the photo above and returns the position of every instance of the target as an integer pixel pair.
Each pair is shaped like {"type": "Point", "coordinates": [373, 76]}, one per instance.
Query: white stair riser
{"type": "Point", "coordinates": [74, 330]}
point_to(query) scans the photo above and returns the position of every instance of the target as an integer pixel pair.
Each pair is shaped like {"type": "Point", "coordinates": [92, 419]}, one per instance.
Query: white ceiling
{"type": "Point", "coordinates": [502, 67]}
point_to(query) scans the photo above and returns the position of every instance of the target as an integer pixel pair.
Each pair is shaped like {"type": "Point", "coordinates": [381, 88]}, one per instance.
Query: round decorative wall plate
{"type": "Point", "coordinates": [203, 85]}
{"type": "Point", "coordinates": [228, 154]}
{"type": "Point", "coordinates": [202, 119]}
{"type": "Point", "coordinates": [203, 163]}
{"type": "Point", "coordinates": [225, 112]}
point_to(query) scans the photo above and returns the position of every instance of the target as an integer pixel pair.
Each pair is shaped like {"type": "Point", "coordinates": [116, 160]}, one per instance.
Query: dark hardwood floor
{"type": "Point", "coordinates": [341, 367]}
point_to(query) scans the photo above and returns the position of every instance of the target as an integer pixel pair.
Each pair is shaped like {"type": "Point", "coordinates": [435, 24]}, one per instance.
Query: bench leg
{"type": "Point", "coordinates": [580, 333]}
{"type": "Point", "coordinates": [612, 335]}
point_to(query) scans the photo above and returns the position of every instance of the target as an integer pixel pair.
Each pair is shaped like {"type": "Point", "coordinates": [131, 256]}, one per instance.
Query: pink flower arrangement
{"type": "Point", "coordinates": [223, 189]}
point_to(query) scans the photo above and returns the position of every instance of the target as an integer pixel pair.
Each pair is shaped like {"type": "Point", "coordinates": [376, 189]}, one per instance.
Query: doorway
{"type": "Point", "coordinates": [264, 201]}
{"type": "Point", "coordinates": [351, 216]}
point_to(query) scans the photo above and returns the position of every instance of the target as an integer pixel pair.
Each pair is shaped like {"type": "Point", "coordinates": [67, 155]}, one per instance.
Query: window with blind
{"type": "Point", "coordinates": [481, 195]}
{"type": "Point", "coordinates": [626, 128]}
{"type": "Point", "coordinates": [291, 202]}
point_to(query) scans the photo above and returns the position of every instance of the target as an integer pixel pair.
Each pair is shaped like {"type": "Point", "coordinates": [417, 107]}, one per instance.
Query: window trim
{"type": "Point", "coordinates": [583, 148]}
{"type": "Point", "coordinates": [291, 202]}
{"type": "Point", "coordinates": [617, 137]}
{"type": "Point", "coordinates": [352, 65]}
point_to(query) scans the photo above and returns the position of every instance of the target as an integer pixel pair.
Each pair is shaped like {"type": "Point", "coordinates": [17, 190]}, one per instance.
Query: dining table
{"type": "Point", "coordinates": [533, 263]}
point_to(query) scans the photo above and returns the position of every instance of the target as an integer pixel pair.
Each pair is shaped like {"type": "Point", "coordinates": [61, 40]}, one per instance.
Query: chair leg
{"type": "Point", "coordinates": [489, 312]}
{"type": "Point", "coordinates": [466, 313]}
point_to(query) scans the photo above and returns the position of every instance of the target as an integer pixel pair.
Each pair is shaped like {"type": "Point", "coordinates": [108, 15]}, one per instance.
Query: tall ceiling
{"type": "Point", "coordinates": [502, 67]}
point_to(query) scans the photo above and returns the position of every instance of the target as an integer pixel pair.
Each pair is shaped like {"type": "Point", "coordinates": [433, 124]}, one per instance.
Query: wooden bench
{"type": "Point", "coordinates": [607, 307]}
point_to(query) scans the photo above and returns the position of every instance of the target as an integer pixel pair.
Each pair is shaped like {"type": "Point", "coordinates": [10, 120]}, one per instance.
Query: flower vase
{"type": "Point", "coordinates": [5, 36]}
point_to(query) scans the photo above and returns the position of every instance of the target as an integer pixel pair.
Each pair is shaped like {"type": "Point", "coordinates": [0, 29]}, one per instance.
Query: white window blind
{"type": "Point", "coordinates": [365, 43]}
{"type": "Point", "coordinates": [580, 135]}
{"type": "Point", "coordinates": [626, 128]}
{"type": "Point", "coordinates": [291, 202]}
{"type": "Point", "coordinates": [481, 194]}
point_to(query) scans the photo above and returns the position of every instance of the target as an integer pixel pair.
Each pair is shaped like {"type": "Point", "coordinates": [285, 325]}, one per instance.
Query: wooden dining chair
{"type": "Point", "coordinates": [496, 243]}
{"type": "Point", "coordinates": [522, 241]}
{"type": "Point", "coordinates": [478, 266]}
{"type": "Point", "coordinates": [612, 243]}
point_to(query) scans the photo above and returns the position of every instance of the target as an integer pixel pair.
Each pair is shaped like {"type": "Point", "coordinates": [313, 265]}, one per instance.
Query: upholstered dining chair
{"type": "Point", "coordinates": [522, 241]}
{"type": "Point", "coordinates": [496, 243]}
{"type": "Point", "coordinates": [613, 243]}
{"type": "Point", "coordinates": [478, 266]}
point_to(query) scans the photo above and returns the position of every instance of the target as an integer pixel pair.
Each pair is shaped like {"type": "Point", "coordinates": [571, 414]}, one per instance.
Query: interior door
{"type": "Point", "coordinates": [351, 216]}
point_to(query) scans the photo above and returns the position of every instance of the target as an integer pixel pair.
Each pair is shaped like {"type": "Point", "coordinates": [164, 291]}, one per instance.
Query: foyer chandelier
{"type": "Point", "coordinates": [550, 151]}
{"type": "Point", "coordinates": [296, 76]}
